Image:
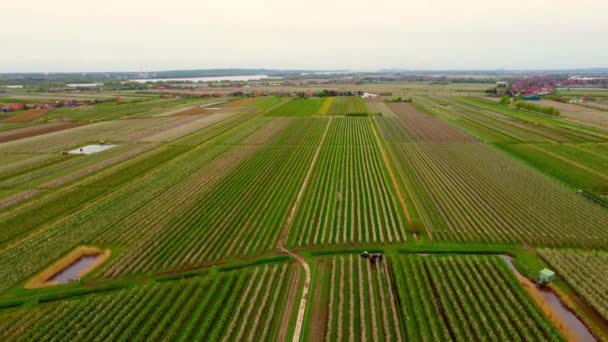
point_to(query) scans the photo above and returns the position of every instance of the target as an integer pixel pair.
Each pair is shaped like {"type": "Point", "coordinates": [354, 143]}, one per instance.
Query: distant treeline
{"type": "Point", "coordinates": [537, 108]}
{"type": "Point", "coordinates": [399, 99]}
{"type": "Point", "coordinates": [332, 93]}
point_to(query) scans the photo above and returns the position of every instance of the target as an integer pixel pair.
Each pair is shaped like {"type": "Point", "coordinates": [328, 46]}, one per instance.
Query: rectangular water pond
{"type": "Point", "coordinates": [73, 271]}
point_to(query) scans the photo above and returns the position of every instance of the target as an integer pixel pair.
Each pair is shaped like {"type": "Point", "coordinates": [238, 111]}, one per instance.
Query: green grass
{"type": "Point", "coordinates": [566, 162]}
{"type": "Point", "coordinates": [347, 105]}
{"type": "Point", "coordinates": [299, 107]}
{"type": "Point", "coordinates": [267, 102]}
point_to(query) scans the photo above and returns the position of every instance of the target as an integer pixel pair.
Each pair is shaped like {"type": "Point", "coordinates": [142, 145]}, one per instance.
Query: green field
{"type": "Point", "coordinates": [460, 298]}
{"type": "Point", "coordinates": [347, 105]}
{"type": "Point", "coordinates": [221, 305]}
{"type": "Point", "coordinates": [585, 271]}
{"type": "Point", "coordinates": [300, 107]}
{"type": "Point", "coordinates": [245, 219]}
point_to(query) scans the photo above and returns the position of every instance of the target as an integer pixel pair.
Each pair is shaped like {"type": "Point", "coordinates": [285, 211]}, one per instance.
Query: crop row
{"type": "Point", "coordinates": [483, 195]}
{"type": "Point", "coordinates": [355, 302]}
{"type": "Point", "coordinates": [71, 138]}
{"type": "Point", "coordinates": [409, 124]}
{"type": "Point", "coordinates": [345, 105]}
{"type": "Point", "coordinates": [349, 198]}
{"type": "Point", "coordinates": [552, 128]}
{"type": "Point", "coordinates": [103, 214]}
{"type": "Point", "coordinates": [465, 298]}
{"type": "Point", "coordinates": [233, 207]}
{"type": "Point", "coordinates": [237, 305]}
{"type": "Point", "coordinates": [489, 125]}
{"type": "Point", "coordinates": [300, 107]}
{"type": "Point", "coordinates": [543, 146]}
{"type": "Point", "coordinates": [117, 110]}
{"type": "Point", "coordinates": [585, 271]}
{"type": "Point", "coordinates": [44, 210]}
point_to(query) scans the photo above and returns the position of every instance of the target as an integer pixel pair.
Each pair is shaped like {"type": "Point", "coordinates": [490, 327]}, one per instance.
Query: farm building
{"type": "Point", "coordinates": [368, 96]}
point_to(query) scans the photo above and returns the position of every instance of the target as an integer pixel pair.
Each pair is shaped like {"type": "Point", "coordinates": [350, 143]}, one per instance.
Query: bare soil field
{"type": "Point", "coordinates": [28, 115]}
{"type": "Point", "coordinates": [246, 102]}
{"type": "Point", "coordinates": [27, 132]}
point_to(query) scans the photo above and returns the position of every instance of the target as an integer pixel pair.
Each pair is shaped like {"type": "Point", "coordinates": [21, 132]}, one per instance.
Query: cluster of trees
{"type": "Point", "coordinates": [537, 108]}
{"type": "Point", "coordinates": [399, 99]}
{"type": "Point", "coordinates": [332, 93]}
{"type": "Point", "coordinates": [505, 100]}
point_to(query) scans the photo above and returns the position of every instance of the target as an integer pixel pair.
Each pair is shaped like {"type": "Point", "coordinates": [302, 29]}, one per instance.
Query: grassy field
{"type": "Point", "coordinates": [243, 218]}
{"type": "Point", "coordinates": [301, 107]}
{"type": "Point", "coordinates": [347, 105]}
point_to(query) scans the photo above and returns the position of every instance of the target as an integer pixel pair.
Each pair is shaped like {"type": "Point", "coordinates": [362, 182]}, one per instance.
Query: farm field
{"type": "Point", "coordinates": [127, 109]}
{"type": "Point", "coordinates": [574, 157]}
{"type": "Point", "coordinates": [244, 218]}
{"type": "Point", "coordinates": [302, 107]}
{"type": "Point", "coordinates": [486, 195]}
{"type": "Point", "coordinates": [579, 113]}
{"type": "Point", "coordinates": [229, 305]}
{"type": "Point", "coordinates": [585, 271]}
{"type": "Point", "coordinates": [422, 298]}
{"type": "Point", "coordinates": [347, 105]}
{"type": "Point", "coordinates": [349, 199]}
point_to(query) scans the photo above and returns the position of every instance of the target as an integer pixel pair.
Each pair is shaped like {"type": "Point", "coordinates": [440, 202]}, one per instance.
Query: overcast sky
{"type": "Point", "coordinates": [141, 35]}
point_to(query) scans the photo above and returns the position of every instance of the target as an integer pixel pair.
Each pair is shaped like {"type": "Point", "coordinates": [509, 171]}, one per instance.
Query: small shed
{"type": "Point", "coordinates": [545, 276]}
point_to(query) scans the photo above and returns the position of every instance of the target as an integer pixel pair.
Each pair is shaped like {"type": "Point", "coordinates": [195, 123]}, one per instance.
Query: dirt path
{"type": "Point", "coordinates": [391, 174]}
{"type": "Point", "coordinates": [304, 298]}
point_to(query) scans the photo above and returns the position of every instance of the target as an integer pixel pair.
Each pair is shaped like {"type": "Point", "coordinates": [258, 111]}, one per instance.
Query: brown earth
{"type": "Point", "coordinates": [19, 197]}
{"type": "Point", "coordinates": [246, 102]}
{"type": "Point", "coordinates": [28, 115]}
{"type": "Point", "coordinates": [27, 132]}
{"type": "Point", "coordinates": [427, 128]}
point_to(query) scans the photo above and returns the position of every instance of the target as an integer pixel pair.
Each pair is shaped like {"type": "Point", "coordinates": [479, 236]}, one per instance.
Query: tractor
{"type": "Point", "coordinates": [545, 276]}
{"type": "Point", "coordinates": [373, 257]}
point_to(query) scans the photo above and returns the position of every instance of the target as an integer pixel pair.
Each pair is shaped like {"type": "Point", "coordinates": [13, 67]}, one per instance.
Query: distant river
{"type": "Point", "coordinates": [204, 79]}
